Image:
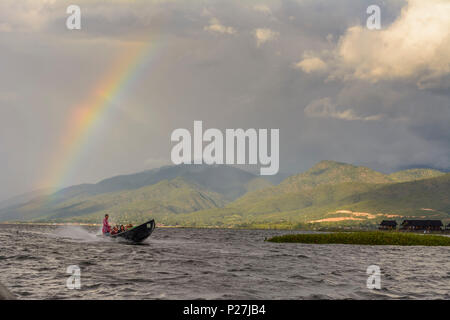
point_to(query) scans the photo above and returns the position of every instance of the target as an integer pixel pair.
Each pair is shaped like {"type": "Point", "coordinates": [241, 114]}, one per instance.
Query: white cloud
{"type": "Point", "coordinates": [325, 108]}
{"type": "Point", "coordinates": [5, 27]}
{"type": "Point", "coordinates": [415, 47]}
{"type": "Point", "coordinates": [216, 27]}
{"type": "Point", "coordinates": [264, 35]}
{"type": "Point", "coordinates": [309, 65]}
{"type": "Point", "coordinates": [26, 15]}
{"type": "Point", "coordinates": [262, 8]}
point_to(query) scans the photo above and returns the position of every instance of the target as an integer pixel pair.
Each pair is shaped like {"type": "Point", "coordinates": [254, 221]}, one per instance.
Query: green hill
{"type": "Point", "coordinates": [23, 198]}
{"type": "Point", "coordinates": [167, 196]}
{"type": "Point", "coordinates": [229, 181]}
{"type": "Point", "coordinates": [414, 174]}
{"type": "Point", "coordinates": [330, 194]}
{"type": "Point", "coordinates": [334, 194]}
{"type": "Point", "coordinates": [172, 189]}
{"type": "Point", "coordinates": [331, 172]}
{"type": "Point", "coordinates": [347, 204]}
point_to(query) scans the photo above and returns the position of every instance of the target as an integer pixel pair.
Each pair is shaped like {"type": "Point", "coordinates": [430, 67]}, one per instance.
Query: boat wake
{"type": "Point", "coordinates": [78, 233]}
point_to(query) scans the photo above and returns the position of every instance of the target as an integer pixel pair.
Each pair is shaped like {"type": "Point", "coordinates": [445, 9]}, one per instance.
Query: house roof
{"type": "Point", "coordinates": [388, 223]}
{"type": "Point", "coordinates": [423, 223]}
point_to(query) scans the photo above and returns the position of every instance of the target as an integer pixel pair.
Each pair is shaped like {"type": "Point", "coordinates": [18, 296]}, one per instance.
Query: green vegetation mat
{"type": "Point", "coordinates": [366, 238]}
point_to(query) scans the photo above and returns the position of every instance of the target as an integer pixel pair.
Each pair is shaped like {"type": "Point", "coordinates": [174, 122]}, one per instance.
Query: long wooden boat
{"type": "Point", "coordinates": [137, 234]}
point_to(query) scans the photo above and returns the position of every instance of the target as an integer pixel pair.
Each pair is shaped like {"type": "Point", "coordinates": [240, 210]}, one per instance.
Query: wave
{"type": "Point", "coordinates": [78, 233]}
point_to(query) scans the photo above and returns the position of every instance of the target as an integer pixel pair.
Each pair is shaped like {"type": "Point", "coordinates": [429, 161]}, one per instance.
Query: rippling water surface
{"type": "Point", "coordinates": [211, 264]}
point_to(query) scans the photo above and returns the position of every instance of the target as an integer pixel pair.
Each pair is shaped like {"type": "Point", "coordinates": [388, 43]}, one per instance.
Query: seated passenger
{"type": "Point", "coordinates": [115, 230]}
{"type": "Point", "coordinates": [122, 228]}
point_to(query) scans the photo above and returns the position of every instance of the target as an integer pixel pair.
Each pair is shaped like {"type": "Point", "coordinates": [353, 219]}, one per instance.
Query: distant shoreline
{"type": "Point", "coordinates": [68, 224]}
{"type": "Point", "coordinates": [324, 230]}
{"type": "Point", "coordinates": [52, 224]}
{"type": "Point", "coordinates": [157, 225]}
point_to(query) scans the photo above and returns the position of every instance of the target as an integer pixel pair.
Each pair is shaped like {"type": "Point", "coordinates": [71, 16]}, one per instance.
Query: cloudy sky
{"type": "Point", "coordinates": [334, 88]}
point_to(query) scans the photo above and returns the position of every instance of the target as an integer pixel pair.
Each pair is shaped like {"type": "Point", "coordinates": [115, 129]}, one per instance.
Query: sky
{"type": "Point", "coordinates": [335, 89]}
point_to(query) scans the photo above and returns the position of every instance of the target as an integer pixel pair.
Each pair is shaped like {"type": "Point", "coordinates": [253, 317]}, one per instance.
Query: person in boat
{"type": "Point", "coordinates": [106, 227]}
{"type": "Point", "coordinates": [129, 226]}
{"type": "Point", "coordinates": [114, 230]}
{"type": "Point", "coordinates": [122, 228]}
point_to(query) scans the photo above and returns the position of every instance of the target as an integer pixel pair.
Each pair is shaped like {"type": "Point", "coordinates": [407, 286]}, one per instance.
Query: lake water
{"type": "Point", "coordinates": [212, 264]}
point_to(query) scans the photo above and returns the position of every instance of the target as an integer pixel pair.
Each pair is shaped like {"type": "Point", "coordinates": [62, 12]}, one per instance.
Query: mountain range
{"type": "Point", "coordinates": [330, 194]}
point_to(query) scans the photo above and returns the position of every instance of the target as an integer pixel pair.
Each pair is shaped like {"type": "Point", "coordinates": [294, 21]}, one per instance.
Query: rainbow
{"type": "Point", "coordinates": [83, 121]}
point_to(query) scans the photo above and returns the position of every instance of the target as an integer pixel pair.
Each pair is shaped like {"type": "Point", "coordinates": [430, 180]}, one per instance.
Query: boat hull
{"type": "Point", "coordinates": [137, 234]}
